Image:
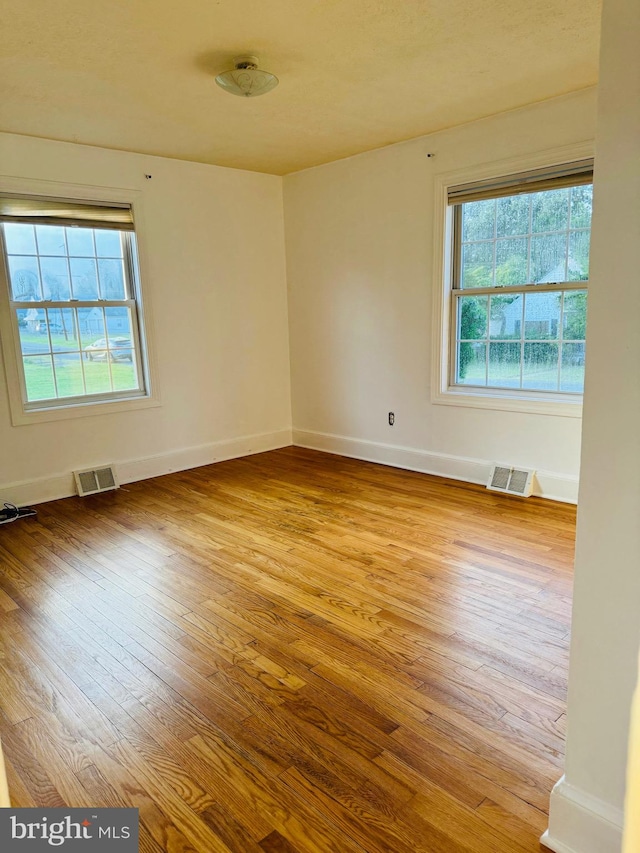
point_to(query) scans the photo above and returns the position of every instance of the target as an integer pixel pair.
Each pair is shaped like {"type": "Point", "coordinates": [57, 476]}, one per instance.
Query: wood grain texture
{"type": "Point", "coordinates": [291, 652]}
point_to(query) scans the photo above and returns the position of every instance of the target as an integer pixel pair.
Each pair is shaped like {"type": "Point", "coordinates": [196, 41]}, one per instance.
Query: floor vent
{"type": "Point", "coordinates": [511, 481]}
{"type": "Point", "coordinates": [96, 480]}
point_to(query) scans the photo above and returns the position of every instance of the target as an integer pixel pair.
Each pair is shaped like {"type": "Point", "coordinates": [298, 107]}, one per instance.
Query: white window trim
{"type": "Point", "coordinates": [21, 416]}
{"type": "Point", "coordinates": [442, 393]}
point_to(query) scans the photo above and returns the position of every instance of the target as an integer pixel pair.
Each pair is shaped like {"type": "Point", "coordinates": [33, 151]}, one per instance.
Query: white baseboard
{"type": "Point", "coordinates": [63, 486]}
{"type": "Point", "coordinates": [553, 486]}
{"type": "Point", "coordinates": [557, 487]}
{"type": "Point", "coordinates": [580, 823]}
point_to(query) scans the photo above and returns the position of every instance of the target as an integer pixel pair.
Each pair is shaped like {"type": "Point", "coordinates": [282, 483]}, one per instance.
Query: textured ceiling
{"type": "Point", "coordinates": [354, 74]}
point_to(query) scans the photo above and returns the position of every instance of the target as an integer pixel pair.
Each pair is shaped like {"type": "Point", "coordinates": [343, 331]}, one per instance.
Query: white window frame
{"type": "Point", "coordinates": [443, 392]}
{"type": "Point", "coordinates": [22, 412]}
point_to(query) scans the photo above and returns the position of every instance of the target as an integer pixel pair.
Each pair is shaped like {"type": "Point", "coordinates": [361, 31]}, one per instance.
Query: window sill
{"type": "Point", "coordinates": [20, 417]}
{"type": "Point", "coordinates": [560, 405]}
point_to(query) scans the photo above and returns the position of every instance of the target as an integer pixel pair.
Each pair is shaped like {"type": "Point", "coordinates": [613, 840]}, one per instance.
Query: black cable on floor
{"type": "Point", "coordinates": [11, 512]}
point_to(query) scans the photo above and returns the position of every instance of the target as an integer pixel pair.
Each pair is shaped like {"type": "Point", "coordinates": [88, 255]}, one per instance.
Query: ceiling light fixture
{"type": "Point", "coordinates": [247, 80]}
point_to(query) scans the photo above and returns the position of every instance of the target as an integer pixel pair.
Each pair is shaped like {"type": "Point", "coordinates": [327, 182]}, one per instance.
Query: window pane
{"type": "Point", "coordinates": [91, 326]}
{"type": "Point", "coordinates": [81, 242]}
{"type": "Point", "coordinates": [540, 367]}
{"type": "Point", "coordinates": [542, 316]}
{"type": "Point", "coordinates": [581, 203]}
{"type": "Point", "coordinates": [97, 376]}
{"type": "Point", "coordinates": [578, 256]}
{"type": "Point", "coordinates": [549, 258]}
{"type": "Point", "coordinates": [575, 316]}
{"type": "Point", "coordinates": [506, 317]}
{"type": "Point", "coordinates": [513, 215]}
{"type": "Point", "coordinates": [63, 331]}
{"type": "Point", "coordinates": [472, 364]}
{"type": "Point", "coordinates": [84, 278]}
{"type": "Point", "coordinates": [111, 274]}
{"type": "Point", "coordinates": [478, 220]}
{"type": "Point", "coordinates": [472, 317]}
{"type": "Point", "coordinates": [38, 373]}
{"type": "Point", "coordinates": [55, 279]}
{"type": "Point", "coordinates": [572, 369]}
{"type": "Point", "coordinates": [19, 239]}
{"type": "Point", "coordinates": [32, 326]}
{"type": "Point", "coordinates": [51, 240]}
{"type": "Point", "coordinates": [550, 211]}
{"type": "Point", "coordinates": [108, 243]}
{"type": "Point", "coordinates": [125, 377]}
{"type": "Point", "coordinates": [118, 323]}
{"type": "Point", "coordinates": [97, 351]}
{"type": "Point", "coordinates": [504, 365]}
{"type": "Point", "coordinates": [477, 265]}
{"type": "Point", "coordinates": [119, 335]}
{"type": "Point", "coordinates": [512, 261]}
{"type": "Point", "coordinates": [539, 238]}
{"type": "Point", "coordinates": [25, 278]}
{"type": "Point", "coordinates": [69, 375]}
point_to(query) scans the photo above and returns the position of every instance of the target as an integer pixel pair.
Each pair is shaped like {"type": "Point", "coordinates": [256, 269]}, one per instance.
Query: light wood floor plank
{"type": "Point", "coordinates": [291, 653]}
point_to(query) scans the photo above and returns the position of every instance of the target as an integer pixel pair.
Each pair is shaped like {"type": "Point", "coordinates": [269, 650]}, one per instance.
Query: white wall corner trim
{"type": "Point", "coordinates": [581, 823]}
{"type": "Point", "coordinates": [558, 487]}
{"type": "Point", "coordinates": [62, 485]}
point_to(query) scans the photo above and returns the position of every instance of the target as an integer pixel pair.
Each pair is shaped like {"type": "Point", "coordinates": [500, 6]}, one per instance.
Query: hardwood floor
{"type": "Point", "coordinates": [291, 652]}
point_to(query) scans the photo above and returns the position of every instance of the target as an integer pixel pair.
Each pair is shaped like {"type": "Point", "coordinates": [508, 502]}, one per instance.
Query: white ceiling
{"type": "Point", "coordinates": [354, 74]}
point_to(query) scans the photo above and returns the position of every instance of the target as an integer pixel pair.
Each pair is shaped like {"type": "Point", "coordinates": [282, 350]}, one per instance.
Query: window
{"type": "Point", "coordinates": [519, 274]}
{"type": "Point", "coordinates": [74, 301]}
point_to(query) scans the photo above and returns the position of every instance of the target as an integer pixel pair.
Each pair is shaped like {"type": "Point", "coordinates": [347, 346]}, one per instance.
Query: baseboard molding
{"type": "Point", "coordinates": [557, 487]}
{"type": "Point", "coordinates": [549, 485]}
{"type": "Point", "coordinates": [580, 823]}
{"type": "Point", "coordinates": [129, 471]}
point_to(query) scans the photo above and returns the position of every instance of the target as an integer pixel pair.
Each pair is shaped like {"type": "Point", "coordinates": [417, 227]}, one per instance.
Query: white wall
{"type": "Point", "coordinates": [586, 804]}
{"type": "Point", "coordinates": [359, 264]}
{"type": "Point", "coordinates": [214, 245]}
{"type": "Point", "coordinates": [359, 237]}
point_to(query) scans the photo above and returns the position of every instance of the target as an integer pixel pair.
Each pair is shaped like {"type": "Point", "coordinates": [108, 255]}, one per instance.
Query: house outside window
{"type": "Point", "coordinates": [515, 287]}
{"type": "Point", "coordinates": [72, 301]}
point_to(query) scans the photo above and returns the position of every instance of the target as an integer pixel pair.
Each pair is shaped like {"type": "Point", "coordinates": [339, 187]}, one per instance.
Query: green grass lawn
{"type": "Point", "coordinates": [58, 340]}
{"type": "Point", "coordinates": [75, 374]}
{"type": "Point", "coordinates": [98, 379]}
{"type": "Point", "coordinates": [508, 374]}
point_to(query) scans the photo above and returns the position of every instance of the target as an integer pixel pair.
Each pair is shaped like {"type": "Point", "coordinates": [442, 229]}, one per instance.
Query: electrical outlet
{"type": "Point", "coordinates": [392, 418]}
